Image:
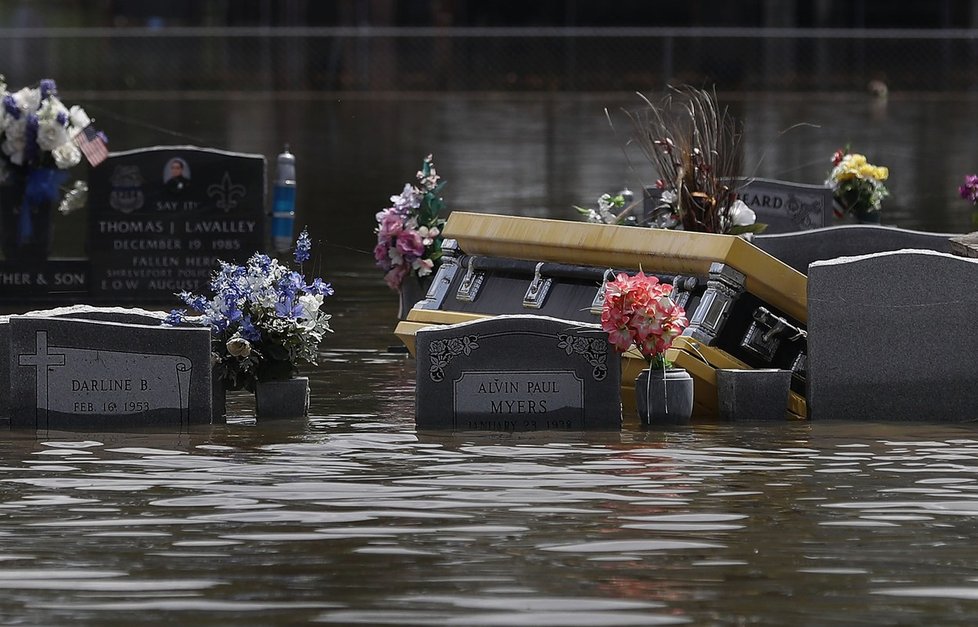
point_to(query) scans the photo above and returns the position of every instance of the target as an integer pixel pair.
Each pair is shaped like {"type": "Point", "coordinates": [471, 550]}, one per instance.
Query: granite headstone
{"type": "Point", "coordinates": [517, 373]}
{"type": "Point", "coordinates": [781, 205]}
{"type": "Point", "coordinates": [50, 280]}
{"type": "Point", "coordinates": [70, 373]}
{"type": "Point", "coordinates": [802, 248]}
{"type": "Point", "coordinates": [786, 207]}
{"type": "Point", "coordinates": [162, 217]}
{"type": "Point", "coordinates": [124, 315]}
{"type": "Point", "coordinates": [890, 337]}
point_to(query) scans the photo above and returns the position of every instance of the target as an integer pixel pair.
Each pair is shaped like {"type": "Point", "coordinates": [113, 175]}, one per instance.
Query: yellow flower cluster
{"type": "Point", "coordinates": [854, 165]}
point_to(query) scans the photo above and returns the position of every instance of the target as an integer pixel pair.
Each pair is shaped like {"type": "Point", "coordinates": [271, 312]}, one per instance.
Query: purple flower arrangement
{"type": "Point", "coordinates": [265, 318]}
{"type": "Point", "coordinates": [969, 191]}
{"type": "Point", "coordinates": [409, 232]}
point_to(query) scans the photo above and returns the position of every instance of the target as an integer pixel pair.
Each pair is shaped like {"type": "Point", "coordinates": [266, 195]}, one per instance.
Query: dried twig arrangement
{"type": "Point", "coordinates": [694, 147]}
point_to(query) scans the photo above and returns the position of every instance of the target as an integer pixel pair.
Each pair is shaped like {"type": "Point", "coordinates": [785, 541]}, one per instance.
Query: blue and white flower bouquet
{"type": "Point", "coordinates": [37, 135]}
{"type": "Point", "coordinates": [37, 128]}
{"type": "Point", "coordinates": [265, 319]}
{"type": "Point", "coordinates": [41, 138]}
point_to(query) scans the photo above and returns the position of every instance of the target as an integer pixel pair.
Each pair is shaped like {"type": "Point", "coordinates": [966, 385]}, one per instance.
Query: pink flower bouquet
{"type": "Point", "coordinates": [637, 310]}
{"type": "Point", "coordinates": [969, 191]}
{"type": "Point", "coordinates": [409, 232]}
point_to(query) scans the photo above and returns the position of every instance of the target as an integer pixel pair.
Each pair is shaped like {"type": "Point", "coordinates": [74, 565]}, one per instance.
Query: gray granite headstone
{"type": "Point", "coordinates": [781, 205]}
{"type": "Point", "coordinates": [802, 248]}
{"type": "Point", "coordinates": [891, 337]}
{"type": "Point", "coordinates": [517, 373]}
{"type": "Point", "coordinates": [69, 373]}
{"type": "Point", "coordinates": [127, 315]}
{"type": "Point", "coordinates": [787, 207]}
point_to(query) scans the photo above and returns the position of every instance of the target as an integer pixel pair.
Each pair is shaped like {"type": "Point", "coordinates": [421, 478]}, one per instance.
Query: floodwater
{"type": "Point", "coordinates": [540, 154]}
{"type": "Point", "coordinates": [353, 517]}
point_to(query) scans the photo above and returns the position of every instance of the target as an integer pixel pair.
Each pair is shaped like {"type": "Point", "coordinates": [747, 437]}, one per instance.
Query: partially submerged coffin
{"type": "Point", "coordinates": [746, 308]}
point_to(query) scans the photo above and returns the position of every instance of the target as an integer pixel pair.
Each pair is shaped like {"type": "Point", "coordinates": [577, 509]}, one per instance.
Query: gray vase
{"type": "Point", "coordinates": [664, 397]}
{"type": "Point", "coordinates": [287, 398]}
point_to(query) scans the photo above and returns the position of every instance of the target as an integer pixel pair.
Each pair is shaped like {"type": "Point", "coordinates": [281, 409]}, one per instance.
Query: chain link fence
{"type": "Point", "coordinates": [201, 61]}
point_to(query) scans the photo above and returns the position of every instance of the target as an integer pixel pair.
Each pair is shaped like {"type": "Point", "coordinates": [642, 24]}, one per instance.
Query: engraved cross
{"type": "Point", "coordinates": [42, 360]}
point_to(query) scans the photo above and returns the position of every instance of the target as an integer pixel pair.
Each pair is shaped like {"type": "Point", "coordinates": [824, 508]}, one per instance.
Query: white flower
{"type": "Point", "coordinates": [409, 198]}
{"type": "Point", "coordinates": [239, 347]}
{"type": "Point", "coordinates": [66, 155]}
{"type": "Point", "coordinates": [593, 216]}
{"type": "Point", "coordinates": [50, 134]}
{"type": "Point", "coordinates": [423, 266]}
{"type": "Point", "coordinates": [13, 146]}
{"type": "Point", "coordinates": [28, 100]}
{"type": "Point", "coordinates": [79, 119]}
{"type": "Point", "coordinates": [740, 214]}
{"type": "Point", "coordinates": [310, 304]}
{"type": "Point", "coordinates": [428, 235]}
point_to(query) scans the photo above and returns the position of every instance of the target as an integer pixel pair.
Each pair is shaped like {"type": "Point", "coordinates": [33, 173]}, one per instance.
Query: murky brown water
{"type": "Point", "coordinates": [352, 517]}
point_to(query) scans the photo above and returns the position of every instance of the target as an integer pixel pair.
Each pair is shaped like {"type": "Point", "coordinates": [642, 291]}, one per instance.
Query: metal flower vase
{"type": "Point", "coordinates": [282, 398]}
{"type": "Point", "coordinates": [664, 397]}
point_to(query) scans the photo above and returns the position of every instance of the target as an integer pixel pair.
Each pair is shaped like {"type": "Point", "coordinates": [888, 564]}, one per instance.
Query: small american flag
{"type": "Point", "coordinates": [92, 145]}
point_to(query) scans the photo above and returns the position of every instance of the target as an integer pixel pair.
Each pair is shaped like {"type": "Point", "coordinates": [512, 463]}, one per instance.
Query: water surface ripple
{"type": "Point", "coordinates": [328, 520]}
{"type": "Point", "coordinates": [354, 517]}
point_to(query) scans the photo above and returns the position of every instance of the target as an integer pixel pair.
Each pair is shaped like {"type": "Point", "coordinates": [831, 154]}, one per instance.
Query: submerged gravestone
{"type": "Point", "coordinates": [162, 217]}
{"type": "Point", "coordinates": [890, 337]}
{"type": "Point", "coordinates": [783, 206]}
{"type": "Point", "coordinates": [517, 373]}
{"type": "Point", "coordinates": [69, 373]}
{"type": "Point", "coordinates": [800, 249]}
{"type": "Point", "coordinates": [124, 315]}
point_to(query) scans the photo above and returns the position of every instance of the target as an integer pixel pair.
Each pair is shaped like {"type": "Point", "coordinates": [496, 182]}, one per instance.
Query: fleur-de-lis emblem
{"type": "Point", "coordinates": [226, 193]}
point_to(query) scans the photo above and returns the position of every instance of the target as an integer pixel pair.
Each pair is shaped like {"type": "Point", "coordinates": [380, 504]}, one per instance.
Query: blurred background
{"type": "Point", "coordinates": [522, 104]}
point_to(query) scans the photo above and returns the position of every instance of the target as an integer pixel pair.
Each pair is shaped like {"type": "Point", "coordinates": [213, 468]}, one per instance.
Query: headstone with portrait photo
{"type": "Point", "coordinates": [161, 218]}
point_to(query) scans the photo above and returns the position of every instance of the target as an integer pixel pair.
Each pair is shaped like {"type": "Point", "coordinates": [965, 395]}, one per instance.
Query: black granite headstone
{"type": "Point", "coordinates": [517, 373]}
{"type": "Point", "coordinates": [162, 217]}
{"type": "Point", "coordinates": [798, 250]}
{"type": "Point", "coordinates": [71, 374]}
{"type": "Point", "coordinates": [889, 337]}
{"type": "Point", "coordinates": [53, 280]}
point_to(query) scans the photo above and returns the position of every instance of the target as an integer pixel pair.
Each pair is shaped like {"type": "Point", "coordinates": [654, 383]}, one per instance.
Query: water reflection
{"type": "Point", "coordinates": [331, 520]}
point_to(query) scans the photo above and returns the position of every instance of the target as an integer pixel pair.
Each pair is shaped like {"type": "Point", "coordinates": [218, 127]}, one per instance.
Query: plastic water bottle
{"type": "Point", "coordinates": [283, 202]}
